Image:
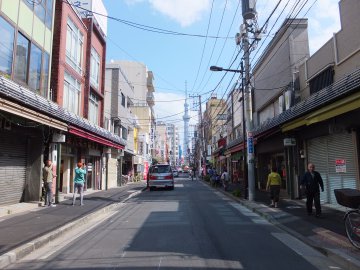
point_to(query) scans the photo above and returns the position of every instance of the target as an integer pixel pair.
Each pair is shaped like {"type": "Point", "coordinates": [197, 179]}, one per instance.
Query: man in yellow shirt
{"type": "Point", "coordinates": [273, 184]}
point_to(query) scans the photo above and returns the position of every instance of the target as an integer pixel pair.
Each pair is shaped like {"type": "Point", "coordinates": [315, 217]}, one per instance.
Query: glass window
{"type": "Point", "coordinates": [122, 99]}
{"type": "Point", "coordinates": [49, 13]}
{"type": "Point", "coordinates": [6, 46]}
{"type": "Point", "coordinates": [94, 109]}
{"type": "Point", "coordinates": [39, 8]}
{"type": "Point", "coordinates": [74, 46]}
{"type": "Point", "coordinates": [29, 3]}
{"type": "Point", "coordinates": [21, 57]}
{"type": "Point", "coordinates": [71, 95]}
{"type": "Point", "coordinates": [35, 68]}
{"type": "Point", "coordinates": [45, 74]}
{"type": "Point", "coordinates": [94, 68]}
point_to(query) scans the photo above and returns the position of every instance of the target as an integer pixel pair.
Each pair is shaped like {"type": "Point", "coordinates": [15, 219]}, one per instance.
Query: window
{"type": "Point", "coordinates": [74, 46]}
{"type": "Point", "coordinates": [94, 68]}
{"type": "Point", "coordinates": [6, 46]}
{"type": "Point", "coordinates": [21, 58]}
{"type": "Point", "coordinates": [29, 3]}
{"type": "Point", "coordinates": [49, 13]}
{"type": "Point", "coordinates": [71, 96]}
{"type": "Point", "coordinates": [124, 133]}
{"type": "Point", "coordinates": [39, 8]}
{"type": "Point", "coordinates": [322, 80]}
{"type": "Point", "coordinates": [35, 68]}
{"type": "Point", "coordinates": [45, 74]}
{"type": "Point", "coordinates": [94, 109]}
{"type": "Point", "coordinates": [123, 99]}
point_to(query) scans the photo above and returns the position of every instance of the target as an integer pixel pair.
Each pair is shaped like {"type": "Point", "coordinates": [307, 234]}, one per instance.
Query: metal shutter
{"type": "Point", "coordinates": [323, 152]}
{"type": "Point", "coordinates": [12, 168]}
{"type": "Point", "coordinates": [341, 146]}
{"type": "Point", "coordinates": [317, 154]}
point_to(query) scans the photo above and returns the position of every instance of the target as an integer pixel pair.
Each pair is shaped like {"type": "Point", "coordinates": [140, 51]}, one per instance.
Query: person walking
{"type": "Point", "coordinates": [312, 182]}
{"type": "Point", "coordinates": [225, 179]}
{"type": "Point", "coordinates": [48, 178]}
{"type": "Point", "coordinates": [273, 185]}
{"type": "Point", "coordinates": [79, 182]}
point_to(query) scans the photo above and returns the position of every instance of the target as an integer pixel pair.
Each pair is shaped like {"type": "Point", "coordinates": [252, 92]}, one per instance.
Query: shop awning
{"type": "Point", "coordinates": [91, 137]}
{"type": "Point", "coordinates": [339, 107]}
{"type": "Point", "coordinates": [17, 109]}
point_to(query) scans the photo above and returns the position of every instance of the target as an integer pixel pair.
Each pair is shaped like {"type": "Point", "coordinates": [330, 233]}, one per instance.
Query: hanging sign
{"type": "Point", "coordinates": [340, 165]}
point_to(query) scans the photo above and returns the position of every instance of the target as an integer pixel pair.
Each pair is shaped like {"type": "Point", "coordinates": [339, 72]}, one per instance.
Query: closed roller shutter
{"type": "Point", "coordinates": [324, 152]}
{"type": "Point", "coordinates": [12, 168]}
{"type": "Point", "coordinates": [341, 146]}
{"type": "Point", "coordinates": [317, 154]}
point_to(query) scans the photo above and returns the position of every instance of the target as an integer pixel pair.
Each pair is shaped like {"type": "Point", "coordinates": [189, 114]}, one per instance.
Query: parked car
{"type": "Point", "coordinates": [161, 176]}
{"type": "Point", "coordinates": [175, 172]}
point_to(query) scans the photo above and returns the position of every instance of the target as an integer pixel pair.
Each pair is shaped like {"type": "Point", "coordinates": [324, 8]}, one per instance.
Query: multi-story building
{"type": "Point", "coordinates": [161, 153]}
{"type": "Point", "coordinates": [32, 126]}
{"type": "Point", "coordinates": [214, 128]}
{"type": "Point", "coordinates": [311, 113]}
{"type": "Point", "coordinates": [119, 119]}
{"type": "Point", "coordinates": [274, 90]}
{"type": "Point", "coordinates": [142, 80]}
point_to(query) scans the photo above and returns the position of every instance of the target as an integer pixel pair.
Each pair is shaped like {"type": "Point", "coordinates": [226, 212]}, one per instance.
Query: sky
{"type": "Point", "coordinates": [182, 62]}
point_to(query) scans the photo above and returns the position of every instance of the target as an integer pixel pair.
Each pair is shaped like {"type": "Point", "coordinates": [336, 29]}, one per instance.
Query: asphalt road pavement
{"type": "Point", "coordinates": [191, 227]}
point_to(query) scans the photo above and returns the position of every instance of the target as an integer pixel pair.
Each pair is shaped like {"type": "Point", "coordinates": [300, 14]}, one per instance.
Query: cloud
{"type": "Point", "coordinates": [323, 23]}
{"type": "Point", "coordinates": [185, 12]}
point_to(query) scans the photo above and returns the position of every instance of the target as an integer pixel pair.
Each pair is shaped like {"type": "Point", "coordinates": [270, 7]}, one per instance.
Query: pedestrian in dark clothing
{"type": "Point", "coordinates": [312, 182]}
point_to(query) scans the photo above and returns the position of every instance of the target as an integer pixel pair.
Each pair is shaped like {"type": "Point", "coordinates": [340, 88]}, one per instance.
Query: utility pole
{"type": "Point", "coordinates": [249, 15]}
{"type": "Point", "coordinates": [200, 134]}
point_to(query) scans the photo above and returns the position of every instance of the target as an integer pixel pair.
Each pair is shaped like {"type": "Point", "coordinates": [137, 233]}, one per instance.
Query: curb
{"type": "Point", "coordinates": [25, 249]}
{"type": "Point", "coordinates": [338, 256]}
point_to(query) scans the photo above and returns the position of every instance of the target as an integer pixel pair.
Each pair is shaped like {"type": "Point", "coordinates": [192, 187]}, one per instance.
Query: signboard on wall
{"type": "Point", "coordinates": [340, 165]}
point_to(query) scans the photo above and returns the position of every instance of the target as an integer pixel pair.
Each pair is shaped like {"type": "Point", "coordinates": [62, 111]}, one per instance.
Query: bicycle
{"type": "Point", "coordinates": [350, 198]}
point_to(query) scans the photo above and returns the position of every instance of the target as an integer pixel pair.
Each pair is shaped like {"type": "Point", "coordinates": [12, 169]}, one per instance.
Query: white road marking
{"type": "Point", "coordinates": [309, 254]}
{"type": "Point", "coordinates": [160, 262]}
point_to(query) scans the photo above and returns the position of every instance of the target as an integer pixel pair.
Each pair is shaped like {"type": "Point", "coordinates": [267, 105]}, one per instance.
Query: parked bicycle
{"type": "Point", "coordinates": [350, 198]}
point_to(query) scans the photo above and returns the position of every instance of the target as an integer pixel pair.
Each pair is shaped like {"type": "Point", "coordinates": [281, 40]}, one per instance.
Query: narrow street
{"type": "Point", "coordinates": [192, 227]}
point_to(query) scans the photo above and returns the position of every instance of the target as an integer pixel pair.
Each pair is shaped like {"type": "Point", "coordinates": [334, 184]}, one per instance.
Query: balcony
{"type": "Point", "coordinates": [150, 99]}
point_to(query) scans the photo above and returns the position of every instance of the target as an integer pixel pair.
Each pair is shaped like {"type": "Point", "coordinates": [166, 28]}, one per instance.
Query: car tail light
{"type": "Point", "coordinates": [168, 176]}
{"type": "Point", "coordinates": [152, 177]}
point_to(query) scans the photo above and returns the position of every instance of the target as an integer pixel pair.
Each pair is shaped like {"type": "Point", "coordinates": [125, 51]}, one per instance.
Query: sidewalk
{"type": "Point", "coordinates": [25, 227]}
{"type": "Point", "coordinates": [326, 234]}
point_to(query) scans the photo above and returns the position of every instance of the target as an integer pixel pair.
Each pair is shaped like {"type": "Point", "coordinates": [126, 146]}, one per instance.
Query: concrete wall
{"type": "Point", "coordinates": [342, 51]}
{"type": "Point", "coordinates": [276, 66]}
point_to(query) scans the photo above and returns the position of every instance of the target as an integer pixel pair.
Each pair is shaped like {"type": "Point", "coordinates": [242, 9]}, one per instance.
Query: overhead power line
{"type": "Point", "coordinates": [144, 26]}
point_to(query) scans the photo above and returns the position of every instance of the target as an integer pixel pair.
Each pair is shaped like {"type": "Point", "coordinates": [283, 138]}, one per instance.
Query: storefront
{"type": "Point", "coordinates": [271, 154]}
{"type": "Point", "coordinates": [335, 158]}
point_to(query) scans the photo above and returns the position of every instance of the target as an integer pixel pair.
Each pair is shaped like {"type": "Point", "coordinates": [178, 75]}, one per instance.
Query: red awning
{"type": "Point", "coordinates": [91, 137]}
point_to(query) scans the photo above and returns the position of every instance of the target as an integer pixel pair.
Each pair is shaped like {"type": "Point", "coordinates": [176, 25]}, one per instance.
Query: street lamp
{"type": "Point", "coordinates": [215, 68]}
{"type": "Point", "coordinates": [242, 99]}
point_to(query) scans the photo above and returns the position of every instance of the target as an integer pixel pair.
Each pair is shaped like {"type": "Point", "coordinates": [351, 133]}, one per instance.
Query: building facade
{"type": "Point", "coordinates": [36, 123]}
{"type": "Point", "coordinates": [214, 120]}
{"type": "Point", "coordinates": [119, 119]}
{"type": "Point", "coordinates": [142, 80]}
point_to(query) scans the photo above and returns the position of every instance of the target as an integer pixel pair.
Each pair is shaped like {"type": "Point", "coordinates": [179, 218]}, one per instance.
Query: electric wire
{"type": "Point", "coordinates": [204, 46]}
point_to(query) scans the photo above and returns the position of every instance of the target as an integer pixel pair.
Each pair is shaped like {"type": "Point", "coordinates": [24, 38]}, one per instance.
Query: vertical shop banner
{"type": "Point", "coordinates": [340, 165]}
{"type": "Point", "coordinates": [152, 138]}
{"type": "Point", "coordinates": [250, 146]}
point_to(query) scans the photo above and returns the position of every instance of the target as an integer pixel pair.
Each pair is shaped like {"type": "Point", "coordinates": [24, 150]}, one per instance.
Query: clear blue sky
{"type": "Point", "coordinates": [176, 59]}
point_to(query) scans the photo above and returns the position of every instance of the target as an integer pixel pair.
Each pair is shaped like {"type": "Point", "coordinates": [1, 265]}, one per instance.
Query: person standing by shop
{"type": "Point", "coordinates": [311, 181]}
{"type": "Point", "coordinates": [273, 184]}
{"type": "Point", "coordinates": [48, 178]}
{"type": "Point", "coordinates": [79, 182]}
